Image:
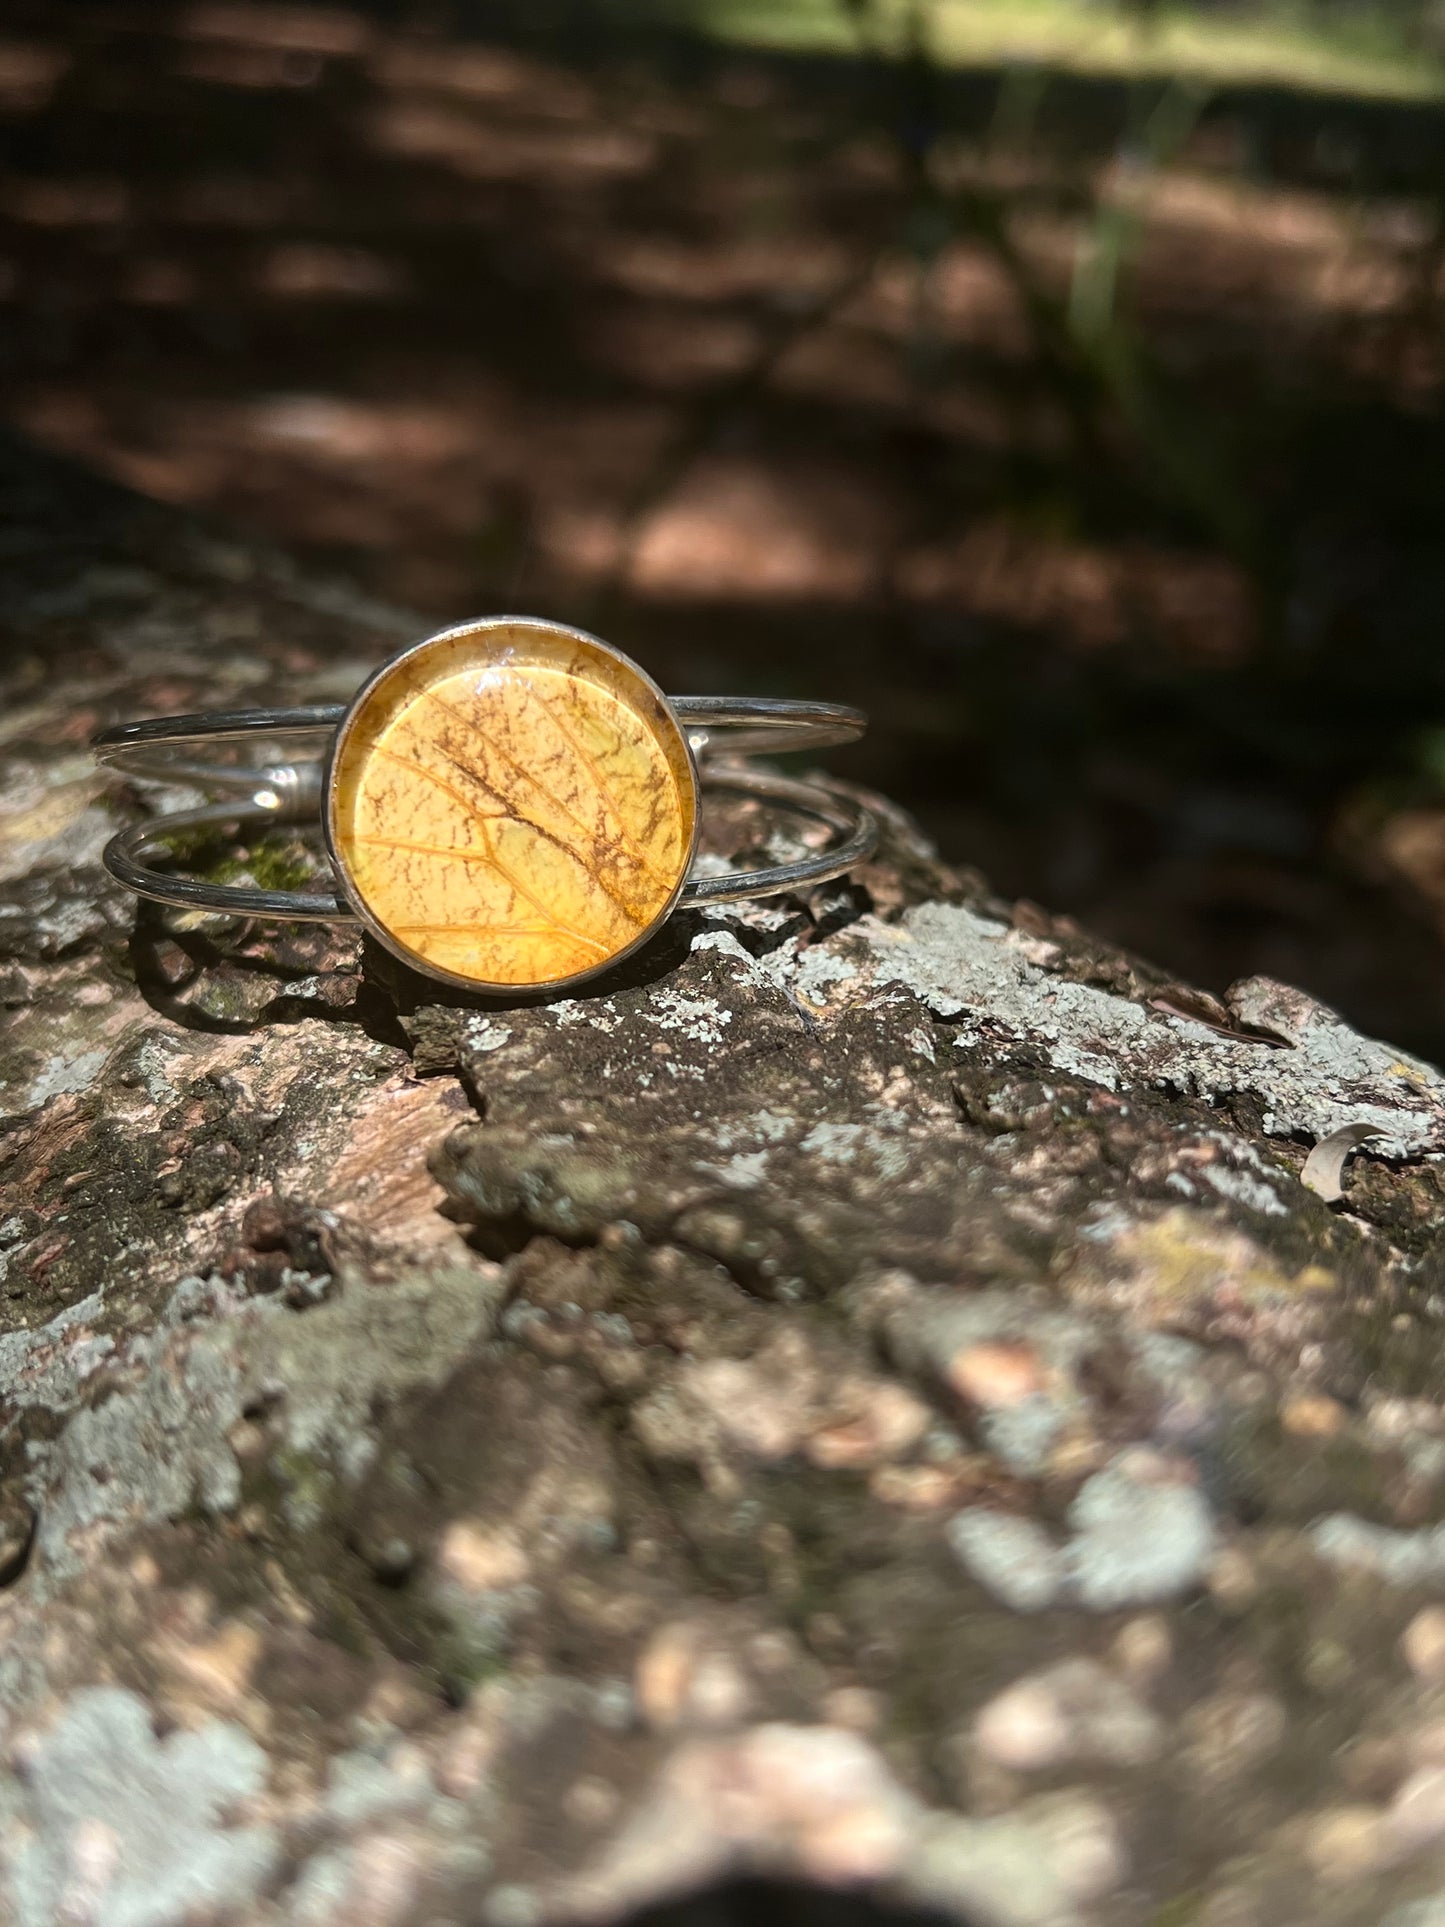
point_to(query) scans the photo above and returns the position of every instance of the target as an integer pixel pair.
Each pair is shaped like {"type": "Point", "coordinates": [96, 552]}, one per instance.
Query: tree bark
{"type": "Point", "coordinates": [864, 1395]}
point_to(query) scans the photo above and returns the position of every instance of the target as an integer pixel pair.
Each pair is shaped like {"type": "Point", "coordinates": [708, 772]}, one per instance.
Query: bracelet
{"type": "Point", "coordinates": [509, 804]}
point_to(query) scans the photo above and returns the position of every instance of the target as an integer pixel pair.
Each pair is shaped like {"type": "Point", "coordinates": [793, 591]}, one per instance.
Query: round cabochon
{"type": "Point", "coordinates": [511, 804]}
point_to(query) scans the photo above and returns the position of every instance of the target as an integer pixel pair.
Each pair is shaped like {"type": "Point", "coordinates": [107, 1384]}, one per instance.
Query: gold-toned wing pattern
{"type": "Point", "coordinates": [518, 819]}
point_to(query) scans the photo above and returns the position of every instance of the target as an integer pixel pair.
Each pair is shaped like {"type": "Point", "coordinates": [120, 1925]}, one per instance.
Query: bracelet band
{"type": "Point", "coordinates": [550, 793]}
{"type": "Point", "coordinates": [274, 793]}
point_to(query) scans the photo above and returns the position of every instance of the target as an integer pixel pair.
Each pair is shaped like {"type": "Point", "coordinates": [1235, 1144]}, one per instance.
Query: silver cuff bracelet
{"type": "Point", "coordinates": [508, 804]}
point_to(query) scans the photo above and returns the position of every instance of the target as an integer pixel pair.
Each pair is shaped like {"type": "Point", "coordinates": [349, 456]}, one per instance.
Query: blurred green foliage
{"type": "Point", "coordinates": [1390, 47]}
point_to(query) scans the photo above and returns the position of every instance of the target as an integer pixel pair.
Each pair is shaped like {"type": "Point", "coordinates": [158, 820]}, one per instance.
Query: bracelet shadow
{"type": "Point", "coordinates": [240, 977]}
{"type": "Point", "coordinates": [243, 981]}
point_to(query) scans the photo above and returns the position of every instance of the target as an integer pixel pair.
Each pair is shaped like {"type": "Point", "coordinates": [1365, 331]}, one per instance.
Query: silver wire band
{"type": "Point", "coordinates": [292, 793]}
{"type": "Point", "coordinates": [754, 725]}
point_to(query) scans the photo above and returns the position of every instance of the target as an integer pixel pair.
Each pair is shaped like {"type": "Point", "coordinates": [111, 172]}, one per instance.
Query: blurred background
{"type": "Point", "coordinates": [1059, 379]}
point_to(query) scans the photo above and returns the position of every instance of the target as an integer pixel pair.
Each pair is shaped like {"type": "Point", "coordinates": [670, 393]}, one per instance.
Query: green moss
{"type": "Point", "coordinates": [280, 864]}
{"type": "Point", "coordinates": [271, 862]}
{"type": "Point", "coordinates": [308, 1485]}
{"type": "Point", "coordinates": [463, 1665]}
{"type": "Point", "coordinates": [1181, 1911]}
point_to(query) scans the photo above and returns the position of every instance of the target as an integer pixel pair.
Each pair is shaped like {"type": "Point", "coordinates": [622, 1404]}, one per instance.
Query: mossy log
{"type": "Point", "coordinates": [864, 1397]}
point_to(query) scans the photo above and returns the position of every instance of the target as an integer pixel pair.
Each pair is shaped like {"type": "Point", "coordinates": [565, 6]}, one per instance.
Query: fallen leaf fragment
{"type": "Point", "coordinates": [1183, 1000]}
{"type": "Point", "coordinates": [1324, 1167]}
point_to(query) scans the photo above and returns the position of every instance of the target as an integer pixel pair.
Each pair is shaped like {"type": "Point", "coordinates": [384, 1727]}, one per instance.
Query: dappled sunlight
{"type": "Point", "coordinates": [748, 531]}
{"type": "Point", "coordinates": [263, 47]}
{"type": "Point", "coordinates": [259, 68]}
{"type": "Point", "coordinates": [482, 150]}
{"type": "Point", "coordinates": [1088, 595]}
{"type": "Point", "coordinates": [488, 75]}
{"type": "Point", "coordinates": [324, 30]}
{"type": "Point", "coordinates": [857, 366]}
{"type": "Point", "coordinates": [158, 284]}
{"type": "Point", "coordinates": [1294, 259]}
{"type": "Point", "coordinates": [794, 271]}
{"type": "Point", "coordinates": [310, 271]}
{"type": "Point", "coordinates": [29, 71]}
{"type": "Point", "coordinates": [966, 302]}
{"type": "Point", "coordinates": [338, 433]}
{"type": "Point", "coordinates": [88, 202]}
{"type": "Point", "coordinates": [647, 346]}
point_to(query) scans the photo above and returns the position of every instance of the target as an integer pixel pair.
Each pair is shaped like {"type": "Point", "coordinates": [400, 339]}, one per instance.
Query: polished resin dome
{"type": "Point", "coordinates": [512, 804]}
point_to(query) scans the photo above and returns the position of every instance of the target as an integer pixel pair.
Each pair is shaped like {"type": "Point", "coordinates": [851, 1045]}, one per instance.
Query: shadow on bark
{"type": "Point", "coordinates": [777, 1903]}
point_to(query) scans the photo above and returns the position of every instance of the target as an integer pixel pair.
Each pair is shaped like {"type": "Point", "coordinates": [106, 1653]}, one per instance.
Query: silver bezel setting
{"type": "Point", "coordinates": [347, 884]}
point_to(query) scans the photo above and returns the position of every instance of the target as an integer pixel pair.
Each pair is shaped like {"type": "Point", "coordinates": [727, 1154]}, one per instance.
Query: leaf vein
{"type": "Point", "coordinates": [625, 836]}
{"type": "Point", "coordinates": [484, 823]}
{"type": "Point", "coordinates": [590, 764]}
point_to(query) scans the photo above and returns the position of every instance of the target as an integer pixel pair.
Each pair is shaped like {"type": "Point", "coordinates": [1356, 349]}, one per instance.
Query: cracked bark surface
{"type": "Point", "coordinates": [861, 1396]}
